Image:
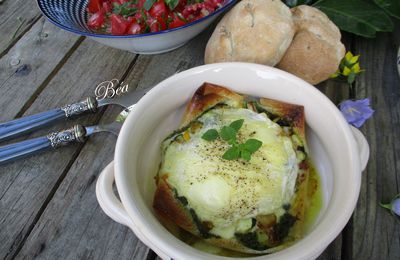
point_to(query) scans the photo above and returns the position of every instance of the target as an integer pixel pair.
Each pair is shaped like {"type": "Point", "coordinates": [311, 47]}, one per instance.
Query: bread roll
{"type": "Point", "coordinates": [257, 31]}
{"type": "Point", "coordinates": [316, 50]}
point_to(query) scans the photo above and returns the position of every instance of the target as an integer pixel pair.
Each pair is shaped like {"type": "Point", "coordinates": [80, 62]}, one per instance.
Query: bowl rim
{"type": "Point", "coordinates": [228, 4]}
{"type": "Point", "coordinates": [325, 237]}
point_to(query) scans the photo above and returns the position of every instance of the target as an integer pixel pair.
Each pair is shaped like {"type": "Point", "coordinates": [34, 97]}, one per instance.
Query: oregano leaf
{"type": "Point", "coordinates": [228, 133]}
{"type": "Point", "coordinates": [231, 154]}
{"type": "Point", "coordinates": [252, 145]}
{"type": "Point", "coordinates": [237, 124]}
{"type": "Point", "coordinates": [236, 150]}
{"type": "Point", "coordinates": [245, 155]}
{"type": "Point", "coordinates": [210, 135]}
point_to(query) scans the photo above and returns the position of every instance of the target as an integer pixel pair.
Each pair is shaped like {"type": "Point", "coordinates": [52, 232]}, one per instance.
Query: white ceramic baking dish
{"type": "Point", "coordinates": [339, 152]}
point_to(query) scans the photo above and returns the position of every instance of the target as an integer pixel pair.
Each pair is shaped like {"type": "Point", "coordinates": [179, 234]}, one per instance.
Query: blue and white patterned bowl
{"type": "Point", "coordinates": [72, 16]}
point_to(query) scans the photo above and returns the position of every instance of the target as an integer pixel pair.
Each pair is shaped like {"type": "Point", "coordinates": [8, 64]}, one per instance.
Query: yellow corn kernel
{"type": "Point", "coordinates": [186, 136]}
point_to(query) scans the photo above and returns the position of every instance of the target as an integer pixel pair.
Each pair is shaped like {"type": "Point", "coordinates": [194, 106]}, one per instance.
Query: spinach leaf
{"type": "Point", "coordinates": [356, 16]}
{"type": "Point", "coordinates": [281, 230]}
{"type": "Point", "coordinates": [250, 240]}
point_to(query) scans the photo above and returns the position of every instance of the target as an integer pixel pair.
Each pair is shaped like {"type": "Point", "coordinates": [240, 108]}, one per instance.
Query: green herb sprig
{"type": "Point", "coordinates": [125, 9]}
{"type": "Point", "coordinates": [228, 134]}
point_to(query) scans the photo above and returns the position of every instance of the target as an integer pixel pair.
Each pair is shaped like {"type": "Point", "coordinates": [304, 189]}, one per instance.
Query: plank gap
{"type": "Point", "coordinates": [130, 68]}
{"type": "Point", "coordinates": [151, 255]}
{"type": "Point", "coordinates": [13, 41]}
{"type": "Point", "coordinates": [43, 85]}
{"type": "Point", "coordinates": [347, 241]}
{"type": "Point", "coordinates": [347, 232]}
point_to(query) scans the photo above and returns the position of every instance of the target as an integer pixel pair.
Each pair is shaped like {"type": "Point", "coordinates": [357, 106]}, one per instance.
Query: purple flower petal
{"type": "Point", "coordinates": [358, 122]}
{"type": "Point", "coordinates": [396, 206]}
{"type": "Point", "coordinates": [356, 112]}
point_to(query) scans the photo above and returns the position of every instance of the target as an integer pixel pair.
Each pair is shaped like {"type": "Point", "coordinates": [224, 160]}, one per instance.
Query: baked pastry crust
{"type": "Point", "coordinates": [208, 96]}
{"type": "Point", "coordinates": [168, 205]}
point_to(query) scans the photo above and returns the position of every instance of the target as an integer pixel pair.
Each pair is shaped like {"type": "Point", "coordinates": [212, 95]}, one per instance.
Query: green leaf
{"type": "Point", "coordinates": [231, 154]}
{"type": "Point", "coordinates": [356, 16]}
{"type": "Point", "coordinates": [172, 4]}
{"type": "Point", "coordinates": [210, 135]}
{"type": "Point", "coordinates": [237, 124]}
{"type": "Point", "coordinates": [293, 3]}
{"type": "Point", "coordinates": [392, 7]}
{"type": "Point", "coordinates": [386, 206]}
{"type": "Point", "coordinates": [128, 11]}
{"type": "Point", "coordinates": [148, 4]}
{"type": "Point", "coordinates": [228, 133]}
{"type": "Point", "coordinates": [351, 78]}
{"type": "Point", "coordinates": [124, 9]}
{"type": "Point", "coordinates": [252, 145]}
{"type": "Point", "coordinates": [245, 155]}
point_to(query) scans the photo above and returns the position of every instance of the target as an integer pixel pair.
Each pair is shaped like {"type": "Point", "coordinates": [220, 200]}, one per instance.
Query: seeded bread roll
{"type": "Point", "coordinates": [257, 31]}
{"type": "Point", "coordinates": [316, 50]}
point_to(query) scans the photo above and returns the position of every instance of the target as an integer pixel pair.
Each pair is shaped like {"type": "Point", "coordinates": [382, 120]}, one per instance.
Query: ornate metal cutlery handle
{"type": "Point", "coordinates": [15, 151]}
{"type": "Point", "coordinates": [29, 123]}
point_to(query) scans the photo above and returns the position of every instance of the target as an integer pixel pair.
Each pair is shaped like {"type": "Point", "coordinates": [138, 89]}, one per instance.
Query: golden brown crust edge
{"type": "Point", "coordinates": [168, 207]}
{"type": "Point", "coordinates": [207, 96]}
{"type": "Point", "coordinates": [290, 112]}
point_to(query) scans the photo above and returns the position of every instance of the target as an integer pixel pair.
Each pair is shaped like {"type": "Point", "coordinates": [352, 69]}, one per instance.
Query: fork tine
{"type": "Point", "coordinates": [114, 128]}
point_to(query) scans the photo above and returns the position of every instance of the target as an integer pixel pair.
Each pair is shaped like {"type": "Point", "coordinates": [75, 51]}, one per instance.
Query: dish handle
{"type": "Point", "coordinates": [113, 207]}
{"type": "Point", "coordinates": [107, 199]}
{"type": "Point", "coordinates": [362, 145]}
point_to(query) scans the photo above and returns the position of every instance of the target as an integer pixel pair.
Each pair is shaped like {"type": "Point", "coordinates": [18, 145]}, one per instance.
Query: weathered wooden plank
{"type": "Point", "coordinates": [30, 63]}
{"type": "Point", "coordinates": [73, 226]}
{"type": "Point", "coordinates": [74, 204]}
{"type": "Point", "coordinates": [376, 234]}
{"type": "Point", "coordinates": [333, 251]}
{"type": "Point", "coordinates": [150, 70]}
{"type": "Point", "coordinates": [16, 16]}
{"type": "Point", "coordinates": [28, 185]}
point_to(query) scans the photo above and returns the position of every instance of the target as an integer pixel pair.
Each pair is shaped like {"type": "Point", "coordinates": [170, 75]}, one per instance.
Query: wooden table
{"type": "Point", "coordinates": [48, 207]}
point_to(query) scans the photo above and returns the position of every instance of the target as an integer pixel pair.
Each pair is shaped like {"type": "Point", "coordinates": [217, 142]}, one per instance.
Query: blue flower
{"type": "Point", "coordinates": [356, 112]}
{"type": "Point", "coordinates": [394, 205]}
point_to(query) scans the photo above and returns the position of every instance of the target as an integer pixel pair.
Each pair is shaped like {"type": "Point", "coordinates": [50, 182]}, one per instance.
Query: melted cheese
{"type": "Point", "coordinates": [229, 193]}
